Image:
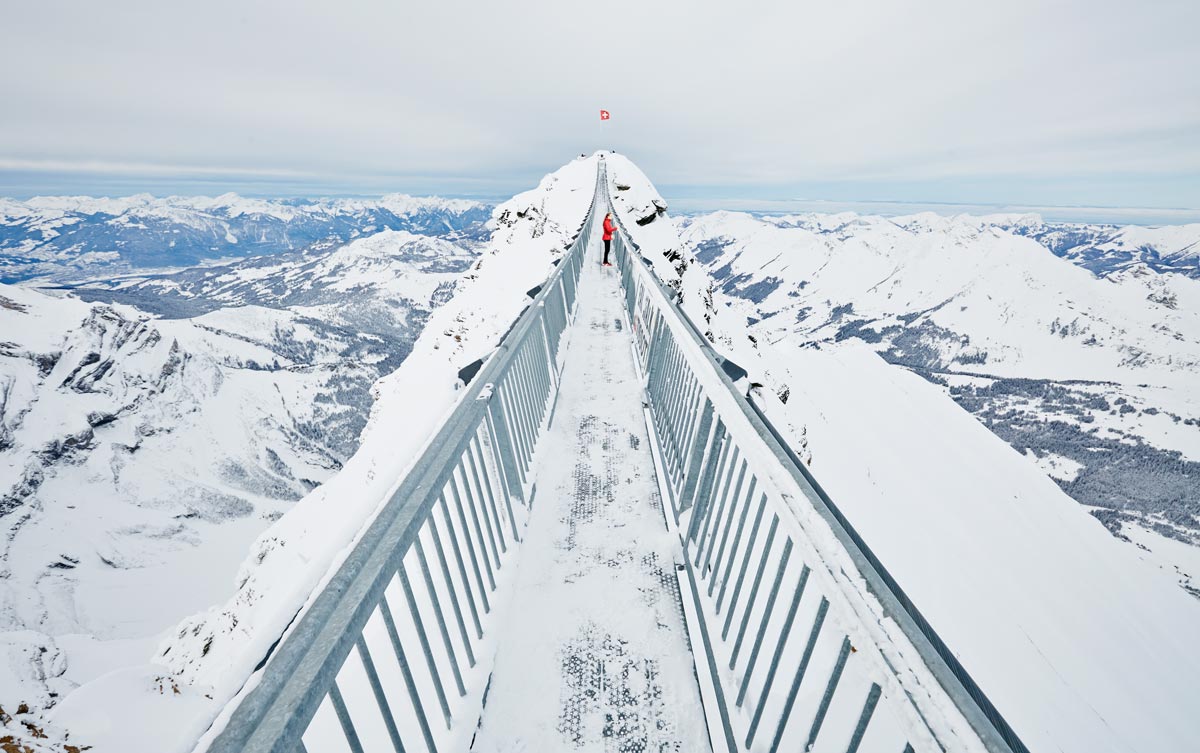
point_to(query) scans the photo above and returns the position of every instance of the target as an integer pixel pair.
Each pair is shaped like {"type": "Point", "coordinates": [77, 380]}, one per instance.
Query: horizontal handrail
{"type": "Point", "coordinates": [712, 440]}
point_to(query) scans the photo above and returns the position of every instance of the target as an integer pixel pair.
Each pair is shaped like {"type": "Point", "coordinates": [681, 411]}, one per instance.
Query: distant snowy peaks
{"type": "Point", "coordinates": [233, 204]}
{"type": "Point", "coordinates": [69, 238]}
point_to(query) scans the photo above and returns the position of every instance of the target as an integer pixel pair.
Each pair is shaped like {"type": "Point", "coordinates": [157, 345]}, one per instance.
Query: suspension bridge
{"type": "Point", "coordinates": [607, 547]}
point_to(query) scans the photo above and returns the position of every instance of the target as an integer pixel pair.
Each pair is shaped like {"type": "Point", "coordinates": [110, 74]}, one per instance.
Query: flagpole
{"type": "Point", "coordinates": [604, 115]}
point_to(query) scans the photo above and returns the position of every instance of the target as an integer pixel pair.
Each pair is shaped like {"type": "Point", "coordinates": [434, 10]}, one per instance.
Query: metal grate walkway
{"type": "Point", "coordinates": [594, 653]}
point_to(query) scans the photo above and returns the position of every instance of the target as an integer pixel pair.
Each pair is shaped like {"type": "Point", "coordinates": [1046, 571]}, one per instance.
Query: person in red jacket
{"type": "Point", "coordinates": [609, 229]}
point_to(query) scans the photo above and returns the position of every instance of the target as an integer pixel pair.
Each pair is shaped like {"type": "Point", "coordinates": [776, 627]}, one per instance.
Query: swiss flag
{"type": "Point", "coordinates": [604, 115]}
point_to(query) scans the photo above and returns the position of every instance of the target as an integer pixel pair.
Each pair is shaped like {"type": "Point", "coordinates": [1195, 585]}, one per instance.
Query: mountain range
{"type": "Point", "coordinates": [77, 237]}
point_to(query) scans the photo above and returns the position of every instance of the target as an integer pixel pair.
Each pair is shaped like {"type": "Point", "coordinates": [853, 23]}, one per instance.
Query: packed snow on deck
{"type": "Point", "coordinates": [1083, 642]}
{"type": "Point", "coordinates": [210, 656]}
{"type": "Point", "coordinates": [595, 656]}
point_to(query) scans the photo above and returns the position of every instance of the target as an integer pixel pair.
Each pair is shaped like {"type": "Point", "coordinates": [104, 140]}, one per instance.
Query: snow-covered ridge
{"type": "Point", "coordinates": [1081, 640]}
{"type": "Point", "coordinates": [212, 654]}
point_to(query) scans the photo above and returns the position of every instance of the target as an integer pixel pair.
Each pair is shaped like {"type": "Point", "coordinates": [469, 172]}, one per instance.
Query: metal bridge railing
{"type": "Point", "coordinates": [809, 644]}
{"type": "Point", "coordinates": [395, 652]}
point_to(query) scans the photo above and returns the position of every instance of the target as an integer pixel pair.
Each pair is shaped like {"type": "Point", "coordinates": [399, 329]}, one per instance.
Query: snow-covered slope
{"type": "Point", "coordinates": [141, 456]}
{"type": "Point", "coordinates": [1095, 379]}
{"type": "Point", "coordinates": [1082, 641]}
{"type": "Point", "coordinates": [73, 237]}
{"type": "Point", "coordinates": [212, 654]}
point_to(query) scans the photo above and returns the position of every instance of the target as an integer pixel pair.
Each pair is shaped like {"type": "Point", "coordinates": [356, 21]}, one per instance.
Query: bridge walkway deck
{"type": "Point", "coordinates": [594, 655]}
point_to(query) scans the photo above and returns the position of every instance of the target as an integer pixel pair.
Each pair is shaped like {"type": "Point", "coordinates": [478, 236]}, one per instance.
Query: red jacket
{"type": "Point", "coordinates": [609, 228]}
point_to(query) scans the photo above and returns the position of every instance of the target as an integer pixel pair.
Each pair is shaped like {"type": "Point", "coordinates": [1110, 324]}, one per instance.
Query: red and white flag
{"type": "Point", "coordinates": [604, 115]}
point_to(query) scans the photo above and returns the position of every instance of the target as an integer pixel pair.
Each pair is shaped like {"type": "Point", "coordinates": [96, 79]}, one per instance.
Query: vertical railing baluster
{"type": "Point", "coordinates": [734, 501]}
{"type": "Point", "coordinates": [445, 568]}
{"type": "Point", "coordinates": [804, 660]}
{"type": "Point", "coordinates": [504, 414]}
{"type": "Point", "coordinates": [343, 716]}
{"type": "Point", "coordinates": [525, 384]}
{"type": "Point", "coordinates": [735, 461]}
{"type": "Point", "coordinates": [708, 509]}
{"type": "Point", "coordinates": [737, 539]}
{"type": "Point", "coordinates": [694, 417]}
{"type": "Point", "coordinates": [737, 586]}
{"type": "Point", "coordinates": [458, 558]}
{"type": "Point", "coordinates": [441, 617]}
{"type": "Point", "coordinates": [766, 619]}
{"type": "Point", "coordinates": [466, 534]}
{"type": "Point", "coordinates": [511, 395]}
{"type": "Point", "coordinates": [502, 451]}
{"type": "Point", "coordinates": [701, 500]}
{"type": "Point", "coordinates": [830, 689]}
{"type": "Point", "coordinates": [550, 348]}
{"type": "Point", "coordinates": [426, 649]}
{"type": "Point", "coordinates": [683, 417]}
{"type": "Point", "coordinates": [520, 405]}
{"type": "Point", "coordinates": [483, 548]}
{"type": "Point", "coordinates": [406, 672]}
{"type": "Point", "coordinates": [487, 498]}
{"type": "Point", "coordinates": [385, 709]}
{"type": "Point", "coordinates": [696, 457]}
{"type": "Point", "coordinates": [762, 566]}
{"type": "Point", "coordinates": [773, 667]}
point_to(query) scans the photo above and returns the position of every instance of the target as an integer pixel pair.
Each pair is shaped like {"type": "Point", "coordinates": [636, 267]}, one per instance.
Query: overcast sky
{"type": "Point", "coordinates": [1070, 102]}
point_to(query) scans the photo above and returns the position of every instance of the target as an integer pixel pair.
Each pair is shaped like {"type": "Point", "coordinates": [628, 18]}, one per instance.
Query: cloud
{"type": "Point", "coordinates": [705, 93]}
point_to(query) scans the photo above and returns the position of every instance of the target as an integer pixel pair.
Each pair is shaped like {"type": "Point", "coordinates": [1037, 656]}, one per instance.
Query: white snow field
{"type": "Point", "coordinates": [1081, 642]}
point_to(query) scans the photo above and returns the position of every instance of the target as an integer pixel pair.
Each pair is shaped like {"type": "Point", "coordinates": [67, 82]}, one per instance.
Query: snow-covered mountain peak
{"type": "Point", "coordinates": [1011, 219]}
{"type": "Point", "coordinates": [402, 203]}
